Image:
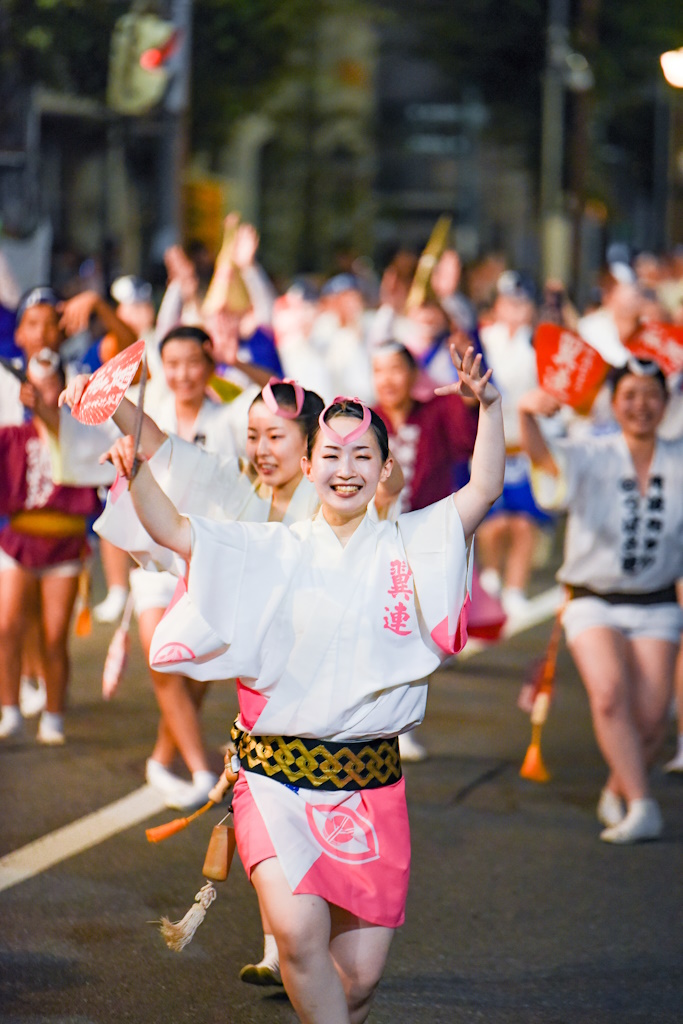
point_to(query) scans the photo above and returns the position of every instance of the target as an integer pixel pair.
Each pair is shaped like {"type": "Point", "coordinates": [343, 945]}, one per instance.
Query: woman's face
{"type": "Point", "coordinates": [187, 369]}
{"type": "Point", "coordinates": [638, 405]}
{"type": "Point", "coordinates": [38, 328]}
{"type": "Point", "coordinates": [393, 379]}
{"type": "Point", "coordinates": [346, 476]}
{"type": "Point", "coordinates": [275, 446]}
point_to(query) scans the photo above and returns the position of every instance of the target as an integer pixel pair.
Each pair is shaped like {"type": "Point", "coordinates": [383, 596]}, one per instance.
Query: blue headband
{"type": "Point", "coordinates": [42, 296]}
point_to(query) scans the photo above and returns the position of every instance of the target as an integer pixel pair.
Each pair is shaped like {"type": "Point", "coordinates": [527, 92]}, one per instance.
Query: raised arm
{"type": "Point", "coordinates": [155, 510]}
{"type": "Point", "coordinates": [488, 458]}
{"type": "Point", "coordinates": [151, 437]}
{"type": "Point", "coordinates": [532, 404]}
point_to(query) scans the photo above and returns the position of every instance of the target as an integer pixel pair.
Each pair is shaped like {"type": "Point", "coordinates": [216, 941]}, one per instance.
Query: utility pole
{"type": "Point", "coordinates": [555, 229]}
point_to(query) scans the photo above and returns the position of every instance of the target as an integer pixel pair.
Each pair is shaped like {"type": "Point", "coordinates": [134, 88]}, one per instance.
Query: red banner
{"type": "Point", "coordinates": [568, 367]}
{"type": "Point", "coordinates": [661, 343]}
{"type": "Point", "coordinates": [107, 386]}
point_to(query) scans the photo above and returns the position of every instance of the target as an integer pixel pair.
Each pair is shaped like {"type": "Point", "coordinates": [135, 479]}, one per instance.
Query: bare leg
{"type": "Point", "coordinates": [175, 701]}
{"type": "Point", "coordinates": [32, 657]}
{"type": "Point", "coordinates": [116, 565]}
{"type": "Point", "coordinates": [520, 553]}
{"type": "Point", "coordinates": [16, 588]}
{"type": "Point", "coordinates": [654, 666]}
{"type": "Point", "coordinates": [359, 950]}
{"type": "Point", "coordinates": [165, 748]}
{"type": "Point", "coordinates": [492, 542]}
{"type": "Point", "coordinates": [58, 595]}
{"type": "Point", "coordinates": [603, 659]}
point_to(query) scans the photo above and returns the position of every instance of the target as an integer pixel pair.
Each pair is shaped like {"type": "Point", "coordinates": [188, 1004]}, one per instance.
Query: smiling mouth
{"type": "Point", "coordinates": [346, 490]}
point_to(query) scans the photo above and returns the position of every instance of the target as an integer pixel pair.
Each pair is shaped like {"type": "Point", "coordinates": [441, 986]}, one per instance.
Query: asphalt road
{"type": "Point", "coordinates": [517, 914]}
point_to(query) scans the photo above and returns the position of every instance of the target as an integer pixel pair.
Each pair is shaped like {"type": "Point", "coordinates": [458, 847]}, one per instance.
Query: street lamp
{"type": "Point", "coordinates": [672, 67]}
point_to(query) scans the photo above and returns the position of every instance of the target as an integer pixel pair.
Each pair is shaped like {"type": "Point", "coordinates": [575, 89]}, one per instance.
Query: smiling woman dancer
{"type": "Point", "coordinates": [623, 554]}
{"type": "Point", "coordinates": [333, 624]}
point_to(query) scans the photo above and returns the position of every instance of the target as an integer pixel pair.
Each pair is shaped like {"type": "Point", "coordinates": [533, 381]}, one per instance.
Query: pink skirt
{"type": "Point", "coordinates": [350, 848]}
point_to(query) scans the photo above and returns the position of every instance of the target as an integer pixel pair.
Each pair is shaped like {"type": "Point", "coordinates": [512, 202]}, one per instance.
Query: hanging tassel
{"type": "Point", "coordinates": [83, 617]}
{"type": "Point", "coordinates": [216, 867]}
{"type": "Point", "coordinates": [177, 934]}
{"type": "Point", "coordinates": [117, 653]}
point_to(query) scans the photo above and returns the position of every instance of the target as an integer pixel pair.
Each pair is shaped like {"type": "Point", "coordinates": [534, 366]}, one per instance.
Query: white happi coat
{"type": "Point", "coordinates": [617, 540]}
{"type": "Point", "coordinates": [336, 640]}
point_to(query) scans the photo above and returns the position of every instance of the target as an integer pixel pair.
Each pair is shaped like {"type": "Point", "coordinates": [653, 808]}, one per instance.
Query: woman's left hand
{"type": "Point", "coordinates": [471, 383]}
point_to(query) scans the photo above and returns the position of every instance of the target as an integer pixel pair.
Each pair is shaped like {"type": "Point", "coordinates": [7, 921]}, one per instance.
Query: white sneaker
{"type": "Point", "coordinates": [610, 809]}
{"type": "Point", "coordinates": [11, 723]}
{"type": "Point", "coordinates": [112, 607]}
{"type": "Point", "coordinates": [187, 796]}
{"type": "Point", "coordinates": [263, 973]}
{"type": "Point", "coordinates": [51, 730]}
{"type": "Point", "coordinates": [410, 749]}
{"type": "Point", "coordinates": [515, 604]}
{"type": "Point", "coordinates": [491, 582]}
{"type": "Point", "coordinates": [161, 778]}
{"type": "Point", "coordinates": [642, 821]}
{"type": "Point", "coordinates": [32, 696]}
{"type": "Point", "coordinates": [675, 765]}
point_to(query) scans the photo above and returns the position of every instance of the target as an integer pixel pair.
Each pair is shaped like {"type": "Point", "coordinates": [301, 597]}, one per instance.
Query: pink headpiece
{"type": "Point", "coordinates": [271, 403]}
{"type": "Point", "coordinates": [353, 435]}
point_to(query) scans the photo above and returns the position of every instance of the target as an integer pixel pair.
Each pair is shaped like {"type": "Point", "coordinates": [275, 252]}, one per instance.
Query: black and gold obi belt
{"type": "Point", "coordinates": [320, 764]}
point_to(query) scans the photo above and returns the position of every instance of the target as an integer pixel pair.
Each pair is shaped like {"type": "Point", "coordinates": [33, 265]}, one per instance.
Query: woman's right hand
{"type": "Point", "coordinates": [122, 456]}
{"type": "Point", "coordinates": [73, 392]}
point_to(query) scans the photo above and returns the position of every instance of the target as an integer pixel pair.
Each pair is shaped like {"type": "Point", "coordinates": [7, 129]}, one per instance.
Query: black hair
{"type": "Point", "coordinates": [354, 409]}
{"type": "Point", "coordinates": [186, 332]}
{"type": "Point", "coordinates": [638, 368]}
{"type": "Point", "coordinates": [285, 396]}
{"type": "Point", "coordinates": [400, 350]}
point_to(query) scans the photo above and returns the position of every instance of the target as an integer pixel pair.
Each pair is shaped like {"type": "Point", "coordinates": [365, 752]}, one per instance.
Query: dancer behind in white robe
{"type": "Point", "coordinates": [623, 555]}
{"type": "Point", "coordinates": [333, 624]}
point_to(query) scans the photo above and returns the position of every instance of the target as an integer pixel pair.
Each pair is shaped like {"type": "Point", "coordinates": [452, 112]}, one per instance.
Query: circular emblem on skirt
{"type": "Point", "coordinates": [343, 833]}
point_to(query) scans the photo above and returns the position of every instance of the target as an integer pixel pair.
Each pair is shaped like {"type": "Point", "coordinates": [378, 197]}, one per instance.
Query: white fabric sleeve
{"type": "Point", "coordinates": [556, 493]}
{"type": "Point", "coordinates": [189, 476]}
{"type": "Point", "coordinates": [237, 578]}
{"type": "Point", "coordinates": [434, 542]}
{"type": "Point", "coordinates": [75, 453]}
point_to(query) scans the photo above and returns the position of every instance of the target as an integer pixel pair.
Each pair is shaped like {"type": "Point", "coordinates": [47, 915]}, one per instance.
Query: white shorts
{"type": "Point", "coordinates": [658, 621]}
{"type": "Point", "coordinates": [71, 568]}
{"type": "Point", "coordinates": [151, 589]}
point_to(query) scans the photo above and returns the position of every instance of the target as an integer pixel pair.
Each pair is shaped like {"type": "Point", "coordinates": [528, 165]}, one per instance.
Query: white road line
{"type": "Point", "coordinates": [80, 835]}
{"type": "Point", "coordinates": [94, 828]}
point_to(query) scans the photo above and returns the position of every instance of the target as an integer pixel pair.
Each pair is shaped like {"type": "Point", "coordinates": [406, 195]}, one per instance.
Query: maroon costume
{"type": "Point", "coordinates": [47, 521]}
{"type": "Point", "coordinates": [436, 437]}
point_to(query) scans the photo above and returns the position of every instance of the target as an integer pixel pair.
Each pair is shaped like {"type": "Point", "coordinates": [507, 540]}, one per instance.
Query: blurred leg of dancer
{"type": "Point", "coordinates": [116, 565]}
{"type": "Point", "coordinates": [178, 702]}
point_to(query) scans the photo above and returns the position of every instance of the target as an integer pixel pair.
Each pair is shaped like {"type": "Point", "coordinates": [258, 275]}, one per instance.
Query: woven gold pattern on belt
{"type": "Point", "coordinates": [317, 764]}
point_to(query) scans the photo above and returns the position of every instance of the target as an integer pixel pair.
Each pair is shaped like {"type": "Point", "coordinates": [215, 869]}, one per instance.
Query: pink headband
{"type": "Point", "coordinates": [271, 403]}
{"type": "Point", "coordinates": [354, 434]}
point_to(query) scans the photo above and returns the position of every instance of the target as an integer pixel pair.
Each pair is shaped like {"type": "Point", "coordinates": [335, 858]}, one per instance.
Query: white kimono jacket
{"type": "Point", "coordinates": [337, 640]}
